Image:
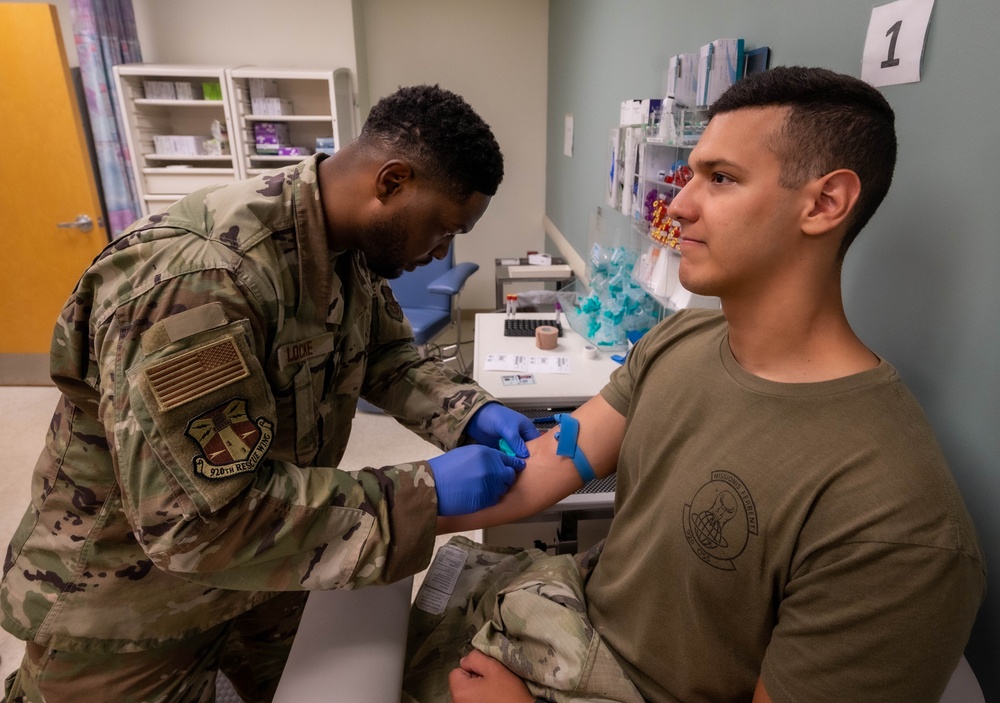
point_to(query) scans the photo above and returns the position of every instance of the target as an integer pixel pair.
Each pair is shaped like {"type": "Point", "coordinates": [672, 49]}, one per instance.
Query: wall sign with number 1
{"type": "Point", "coordinates": [895, 42]}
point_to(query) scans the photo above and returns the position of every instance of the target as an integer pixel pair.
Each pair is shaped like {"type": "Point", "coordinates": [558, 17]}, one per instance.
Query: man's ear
{"type": "Point", "coordinates": [833, 197]}
{"type": "Point", "coordinates": [391, 177]}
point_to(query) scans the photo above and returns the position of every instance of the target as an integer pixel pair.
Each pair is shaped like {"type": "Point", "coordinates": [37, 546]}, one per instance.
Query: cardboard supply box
{"type": "Point", "coordinates": [263, 88]}
{"type": "Point", "coordinates": [159, 90]}
{"type": "Point", "coordinates": [640, 112]}
{"type": "Point", "coordinates": [186, 90]}
{"type": "Point", "coordinates": [269, 137]}
{"type": "Point", "coordinates": [271, 106]}
{"type": "Point", "coordinates": [179, 145]}
{"type": "Point", "coordinates": [212, 90]}
{"type": "Point", "coordinates": [325, 145]}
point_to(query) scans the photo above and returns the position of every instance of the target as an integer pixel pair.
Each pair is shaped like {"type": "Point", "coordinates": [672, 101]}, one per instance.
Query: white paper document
{"type": "Point", "coordinates": [527, 364]}
{"type": "Point", "coordinates": [542, 271]}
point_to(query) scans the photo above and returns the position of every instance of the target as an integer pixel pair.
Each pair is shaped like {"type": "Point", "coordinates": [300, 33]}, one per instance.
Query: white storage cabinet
{"type": "Point", "coordinates": [162, 178]}
{"type": "Point", "coordinates": [317, 103]}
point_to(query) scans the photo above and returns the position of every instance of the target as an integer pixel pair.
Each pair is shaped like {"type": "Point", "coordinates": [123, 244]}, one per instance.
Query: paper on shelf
{"type": "Point", "coordinates": [526, 364]}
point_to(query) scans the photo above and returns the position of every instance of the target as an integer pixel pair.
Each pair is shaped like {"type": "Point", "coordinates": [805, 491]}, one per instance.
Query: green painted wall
{"type": "Point", "coordinates": [921, 284]}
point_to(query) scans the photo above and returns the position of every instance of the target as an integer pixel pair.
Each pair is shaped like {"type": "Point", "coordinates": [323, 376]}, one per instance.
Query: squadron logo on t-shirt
{"type": "Point", "coordinates": [719, 520]}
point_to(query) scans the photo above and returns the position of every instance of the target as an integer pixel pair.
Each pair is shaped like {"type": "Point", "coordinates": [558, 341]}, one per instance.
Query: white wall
{"type": "Point", "coordinates": [494, 54]}
{"type": "Point", "coordinates": [288, 34]}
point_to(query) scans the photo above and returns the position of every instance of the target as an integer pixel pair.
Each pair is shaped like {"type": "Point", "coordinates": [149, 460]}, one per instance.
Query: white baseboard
{"type": "Point", "coordinates": [25, 370]}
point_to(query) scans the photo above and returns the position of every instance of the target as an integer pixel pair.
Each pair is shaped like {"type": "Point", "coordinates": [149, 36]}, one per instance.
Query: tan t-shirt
{"type": "Point", "coordinates": [808, 533]}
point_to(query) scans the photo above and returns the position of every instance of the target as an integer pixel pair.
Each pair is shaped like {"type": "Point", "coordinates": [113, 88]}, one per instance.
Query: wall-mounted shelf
{"type": "Point", "coordinates": [656, 272]}
{"type": "Point", "coordinates": [657, 161]}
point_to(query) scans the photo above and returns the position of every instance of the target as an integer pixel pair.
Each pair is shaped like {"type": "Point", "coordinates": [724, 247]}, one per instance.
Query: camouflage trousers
{"type": "Point", "coordinates": [526, 609]}
{"type": "Point", "coordinates": [250, 650]}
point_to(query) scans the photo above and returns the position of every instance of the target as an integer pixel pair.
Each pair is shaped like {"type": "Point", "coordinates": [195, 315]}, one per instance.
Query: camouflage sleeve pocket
{"type": "Point", "coordinates": [203, 407]}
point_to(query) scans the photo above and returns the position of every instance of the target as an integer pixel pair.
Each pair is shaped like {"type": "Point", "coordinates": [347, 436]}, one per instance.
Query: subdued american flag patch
{"type": "Point", "coordinates": [195, 373]}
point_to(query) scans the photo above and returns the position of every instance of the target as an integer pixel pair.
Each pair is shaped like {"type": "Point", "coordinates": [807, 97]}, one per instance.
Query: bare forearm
{"type": "Point", "coordinates": [544, 482]}
{"type": "Point", "coordinates": [549, 478]}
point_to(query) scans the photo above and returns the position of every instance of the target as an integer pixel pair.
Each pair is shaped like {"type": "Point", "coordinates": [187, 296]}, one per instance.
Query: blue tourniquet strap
{"type": "Point", "coordinates": [569, 430]}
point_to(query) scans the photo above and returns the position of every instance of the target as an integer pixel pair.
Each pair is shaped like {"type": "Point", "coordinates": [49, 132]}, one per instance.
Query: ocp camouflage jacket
{"type": "Point", "coordinates": [210, 361]}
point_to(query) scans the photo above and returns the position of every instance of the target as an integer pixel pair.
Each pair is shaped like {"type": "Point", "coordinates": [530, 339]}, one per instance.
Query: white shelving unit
{"type": "Point", "coordinates": [163, 178]}
{"type": "Point", "coordinates": [678, 134]}
{"type": "Point", "coordinates": [657, 268]}
{"type": "Point", "coordinates": [322, 103]}
{"type": "Point", "coordinates": [656, 161]}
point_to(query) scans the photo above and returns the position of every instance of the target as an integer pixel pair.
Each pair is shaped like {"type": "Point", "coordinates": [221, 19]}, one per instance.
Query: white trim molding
{"type": "Point", "coordinates": [573, 259]}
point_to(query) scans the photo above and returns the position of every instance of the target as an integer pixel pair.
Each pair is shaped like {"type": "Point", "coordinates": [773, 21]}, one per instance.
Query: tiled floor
{"type": "Point", "coordinates": [22, 436]}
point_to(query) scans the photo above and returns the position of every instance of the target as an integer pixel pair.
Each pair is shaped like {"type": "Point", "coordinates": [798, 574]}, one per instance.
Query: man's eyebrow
{"type": "Point", "coordinates": [717, 164]}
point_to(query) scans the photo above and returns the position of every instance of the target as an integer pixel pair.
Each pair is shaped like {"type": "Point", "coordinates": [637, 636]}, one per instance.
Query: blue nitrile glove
{"type": "Point", "coordinates": [494, 422]}
{"type": "Point", "coordinates": [472, 477]}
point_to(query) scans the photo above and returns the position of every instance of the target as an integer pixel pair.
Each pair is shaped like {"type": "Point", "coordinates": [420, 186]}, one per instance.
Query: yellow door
{"type": "Point", "coordinates": [47, 184]}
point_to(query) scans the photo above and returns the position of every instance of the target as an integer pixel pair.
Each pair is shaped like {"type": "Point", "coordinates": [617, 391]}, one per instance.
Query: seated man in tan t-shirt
{"type": "Point", "coordinates": [786, 526]}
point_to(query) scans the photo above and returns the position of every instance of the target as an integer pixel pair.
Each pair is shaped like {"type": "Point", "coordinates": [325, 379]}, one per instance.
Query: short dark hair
{"type": "Point", "coordinates": [441, 134]}
{"type": "Point", "coordinates": [834, 121]}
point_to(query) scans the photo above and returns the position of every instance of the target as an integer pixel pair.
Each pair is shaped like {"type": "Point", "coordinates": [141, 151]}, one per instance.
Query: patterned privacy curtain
{"type": "Point", "coordinates": [105, 37]}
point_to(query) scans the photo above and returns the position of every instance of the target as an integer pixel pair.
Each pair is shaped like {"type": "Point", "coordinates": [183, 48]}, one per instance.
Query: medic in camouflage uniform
{"type": "Point", "coordinates": [211, 360]}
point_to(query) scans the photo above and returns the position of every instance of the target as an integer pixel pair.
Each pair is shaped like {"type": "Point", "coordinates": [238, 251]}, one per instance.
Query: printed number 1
{"type": "Point", "coordinates": [891, 59]}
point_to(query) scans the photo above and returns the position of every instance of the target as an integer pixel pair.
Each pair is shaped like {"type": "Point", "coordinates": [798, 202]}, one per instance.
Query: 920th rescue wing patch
{"type": "Point", "coordinates": [231, 443]}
